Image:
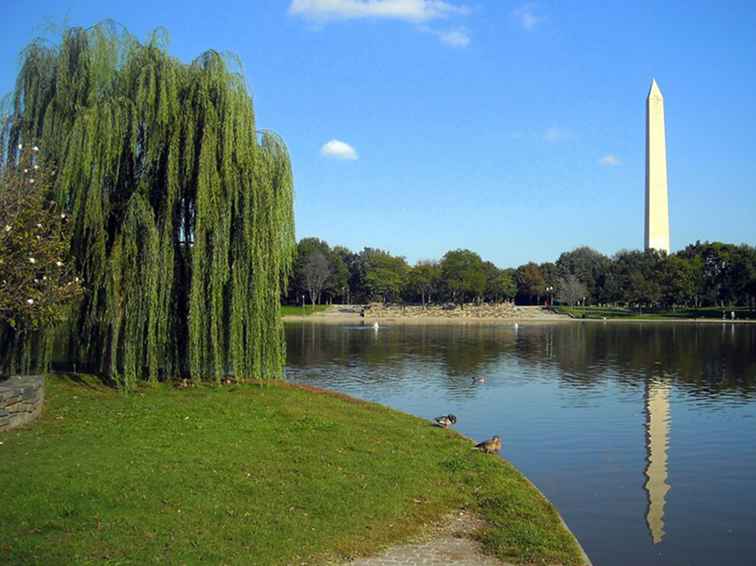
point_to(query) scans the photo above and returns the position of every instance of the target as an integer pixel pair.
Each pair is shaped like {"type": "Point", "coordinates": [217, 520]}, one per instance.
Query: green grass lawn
{"type": "Point", "coordinates": [263, 474]}
{"type": "Point", "coordinates": [287, 310]}
{"type": "Point", "coordinates": [741, 313]}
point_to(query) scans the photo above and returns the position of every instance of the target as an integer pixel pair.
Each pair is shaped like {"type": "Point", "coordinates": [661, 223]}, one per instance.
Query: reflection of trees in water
{"type": "Point", "coordinates": [464, 352]}
{"type": "Point", "coordinates": [704, 359]}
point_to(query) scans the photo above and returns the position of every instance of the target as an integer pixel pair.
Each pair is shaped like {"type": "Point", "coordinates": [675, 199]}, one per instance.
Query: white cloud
{"type": "Point", "coordinates": [417, 11]}
{"type": "Point", "coordinates": [610, 160]}
{"type": "Point", "coordinates": [338, 149]}
{"type": "Point", "coordinates": [527, 16]}
{"type": "Point", "coordinates": [556, 135]}
{"type": "Point", "coordinates": [454, 38]}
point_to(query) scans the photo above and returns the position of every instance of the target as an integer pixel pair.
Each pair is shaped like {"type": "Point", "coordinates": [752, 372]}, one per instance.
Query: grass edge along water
{"type": "Point", "coordinates": [270, 474]}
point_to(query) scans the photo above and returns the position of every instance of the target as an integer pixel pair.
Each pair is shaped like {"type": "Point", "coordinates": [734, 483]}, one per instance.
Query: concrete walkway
{"type": "Point", "coordinates": [450, 542]}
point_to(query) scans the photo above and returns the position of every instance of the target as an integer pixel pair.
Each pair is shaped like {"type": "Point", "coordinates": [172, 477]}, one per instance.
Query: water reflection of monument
{"type": "Point", "coordinates": [657, 440]}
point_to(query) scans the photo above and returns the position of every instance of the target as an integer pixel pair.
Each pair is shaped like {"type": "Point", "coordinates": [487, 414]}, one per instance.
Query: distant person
{"type": "Point", "coordinates": [732, 315]}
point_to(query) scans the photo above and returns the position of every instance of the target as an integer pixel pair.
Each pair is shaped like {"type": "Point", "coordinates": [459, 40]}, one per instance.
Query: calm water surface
{"type": "Point", "coordinates": [643, 435]}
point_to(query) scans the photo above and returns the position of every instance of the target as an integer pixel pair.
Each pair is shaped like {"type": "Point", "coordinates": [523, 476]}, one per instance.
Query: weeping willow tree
{"type": "Point", "coordinates": [182, 215]}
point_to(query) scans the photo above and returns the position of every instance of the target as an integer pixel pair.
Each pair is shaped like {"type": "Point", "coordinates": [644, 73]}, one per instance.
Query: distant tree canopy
{"type": "Point", "coordinates": [570, 290]}
{"type": "Point", "coordinates": [384, 275]}
{"type": "Point", "coordinates": [315, 272]}
{"type": "Point", "coordinates": [424, 280]}
{"type": "Point", "coordinates": [587, 265]}
{"type": "Point", "coordinates": [531, 284]}
{"type": "Point", "coordinates": [182, 222]}
{"type": "Point", "coordinates": [703, 274]}
{"type": "Point", "coordinates": [464, 274]}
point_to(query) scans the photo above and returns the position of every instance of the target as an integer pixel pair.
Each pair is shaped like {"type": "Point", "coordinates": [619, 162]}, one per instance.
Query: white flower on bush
{"type": "Point", "coordinates": [39, 225]}
{"type": "Point", "coordinates": [32, 260]}
{"type": "Point", "coordinates": [59, 263]}
{"type": "Point", "coordinates": [7, 227]}
{"type": "Point", "coordinates": [35, 148]}
{"type": "Point", "coordinates": [30, 301]}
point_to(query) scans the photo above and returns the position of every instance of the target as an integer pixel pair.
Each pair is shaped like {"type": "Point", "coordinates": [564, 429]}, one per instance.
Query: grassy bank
{"type": "Point", "coordinates": [294, 310]}
{"type": "Point", "coordinates": [247, 474]}
{"type": "Point", "coordinates": [715, 313]}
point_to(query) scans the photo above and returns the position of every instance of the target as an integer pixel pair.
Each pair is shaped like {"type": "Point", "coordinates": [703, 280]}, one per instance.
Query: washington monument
{"type": "Point", "coordinates": [657, 200]}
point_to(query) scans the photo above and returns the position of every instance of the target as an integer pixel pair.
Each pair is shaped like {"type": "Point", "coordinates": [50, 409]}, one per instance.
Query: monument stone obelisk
{"type": "Point", "coordinates": [657, 199]}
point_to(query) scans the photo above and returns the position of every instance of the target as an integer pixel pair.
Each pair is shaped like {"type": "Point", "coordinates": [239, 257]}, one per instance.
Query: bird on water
{"type": "Point", "coordinates": [445, 421]}
{"type": "Point", "coordinates": [490, 446]}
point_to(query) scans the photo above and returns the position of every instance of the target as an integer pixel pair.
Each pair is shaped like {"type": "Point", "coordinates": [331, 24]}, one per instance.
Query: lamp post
{"type": "Point", "coordinates": [549, 299]}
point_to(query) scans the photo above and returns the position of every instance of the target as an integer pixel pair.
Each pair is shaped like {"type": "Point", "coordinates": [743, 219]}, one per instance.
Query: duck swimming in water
{"type": "Point", "coordinates": [445, 421]}
{"type": "Point", "coordinates": [490, 446]}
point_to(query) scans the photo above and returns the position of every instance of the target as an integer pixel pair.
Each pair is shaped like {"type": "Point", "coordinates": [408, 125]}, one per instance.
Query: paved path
{"type": "Point", "coordinates": [449, 543]}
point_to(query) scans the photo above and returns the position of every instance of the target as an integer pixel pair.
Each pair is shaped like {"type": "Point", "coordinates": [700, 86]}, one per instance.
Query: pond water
{"type": "Point", "coordinates": [643, 435]}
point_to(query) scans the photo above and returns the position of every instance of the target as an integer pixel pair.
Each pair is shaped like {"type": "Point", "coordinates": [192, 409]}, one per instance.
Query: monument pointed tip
{"type": "Point", "coordinates": [654, 91]}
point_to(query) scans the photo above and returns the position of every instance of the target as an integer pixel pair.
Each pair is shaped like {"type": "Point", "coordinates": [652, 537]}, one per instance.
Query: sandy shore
{"type": "Point", "coordinates": [335, 316]}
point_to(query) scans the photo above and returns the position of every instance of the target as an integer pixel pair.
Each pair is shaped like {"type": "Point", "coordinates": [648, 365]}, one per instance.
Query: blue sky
{"type": "Point", "coordinates": [515, 129]}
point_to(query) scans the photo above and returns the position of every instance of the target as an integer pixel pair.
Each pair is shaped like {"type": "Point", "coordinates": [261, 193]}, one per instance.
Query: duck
{"type": "Point", "coordinates": [478, 380]}
{"type": "Point", "coordinates": [490, 446]}
{"type": "Point", "coordinates": [445, 421]}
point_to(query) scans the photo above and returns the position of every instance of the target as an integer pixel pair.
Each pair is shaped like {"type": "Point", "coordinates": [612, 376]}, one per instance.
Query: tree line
{"type": "Point", "coordinates": [703, 274]}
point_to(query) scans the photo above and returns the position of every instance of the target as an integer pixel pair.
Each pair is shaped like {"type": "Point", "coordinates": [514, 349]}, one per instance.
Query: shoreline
{"type": "Point", "coordinates": [583, 554]}
{"type": "Point", "coordinates": [330, 317]}
{"type": "Point", "coordinates": [352, 398]}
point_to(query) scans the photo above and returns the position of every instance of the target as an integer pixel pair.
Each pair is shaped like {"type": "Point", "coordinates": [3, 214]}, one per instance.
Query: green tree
{"type": "Point", "coordinates": [316, 272]}
{"type": "Point", "coordinates": [338, 282]}
{"type": "Point", "coordinates": [508, 283]}
{"type": "Point", "coordinates": [531, 284]}
{"type": "Point", "coordinates": [385, 275]}
{"type": "Point", "coordinates": [723, 272]}
{"type": "Point", "coordinates": [299, 286]}
{"type": "Point", "coordinates": [182, 217]}
{"type": "Point", "coordinates": [424, 279]}
{"type": "Point", "coordinates": [590, 268]}
{"type": "Point", "coordinates": [637, 277]}
{"type": "Point", "coordinates": [677, 281]}
{"type": "Point", "coordinates": [464, 274]}
{"type": "Point", "coordinates": [500, 283]}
